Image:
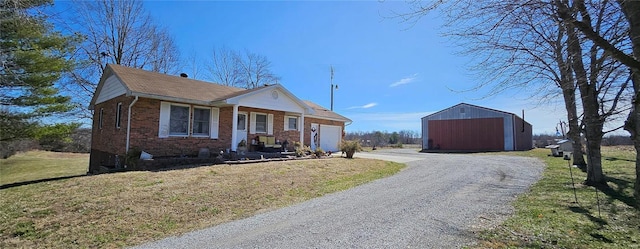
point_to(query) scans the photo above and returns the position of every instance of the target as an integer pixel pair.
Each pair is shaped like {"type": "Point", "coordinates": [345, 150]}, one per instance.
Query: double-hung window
{"type": "Point", "coordinates": [179, 120]}
{"type": "Point", "coordinates": [261, 123]}
{"type": "Point", "coordinates": [100, 116]}
{"type": "Point", "coordinates": [201, 121]}
{"type": "Point", "coordinates": [290, 123]}
{"type": "Point", "coordinates": [182, 120]}
{"type": "Point", "coordinates": [118, 114]}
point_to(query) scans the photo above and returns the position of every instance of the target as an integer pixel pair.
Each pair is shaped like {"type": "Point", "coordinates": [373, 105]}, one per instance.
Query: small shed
{"type": "Point", "coordinates": [466, 127]}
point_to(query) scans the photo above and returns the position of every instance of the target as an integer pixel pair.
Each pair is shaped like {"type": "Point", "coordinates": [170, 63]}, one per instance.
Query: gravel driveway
{"type": "Point", "coordinates": [438, 201]}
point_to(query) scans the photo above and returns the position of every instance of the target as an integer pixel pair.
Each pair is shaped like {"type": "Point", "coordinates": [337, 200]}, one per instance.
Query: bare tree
{"type": "Point", "coordinates": [192, 64]}
{"type": "Point", "coordinates": [117, 32]}
{"type": "Point", "coordinates": [255, 70]}
{"type": "Point", "coordinates": [224, 67]}
{"type": "Point", "coordinates": [521, 45]}
{"type": "Point", "coordinates": [246, 70]}
{"type": "Point", "coordinates": [579, 17]}
{"type": "Point", "coordinates": [163, 54]}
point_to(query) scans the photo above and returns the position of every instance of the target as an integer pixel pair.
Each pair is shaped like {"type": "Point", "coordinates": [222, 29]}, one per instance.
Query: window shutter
{"type": "Point", "coordinates": [165, 110]}
{"type": "Point", "coordinates": [286, 123]}
{"type": "Point", "coordinates": [252, 124]}
{"type": "Point", "coordinates": [270, 124]}
{"type": "Point", "coordinates": [215, 117]}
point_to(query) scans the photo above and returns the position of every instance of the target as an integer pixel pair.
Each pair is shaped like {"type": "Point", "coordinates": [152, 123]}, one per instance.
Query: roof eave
{"type": "Point", "coordinates": [328, 118]}
{"type": "Point", "coordinates": [172, 99]}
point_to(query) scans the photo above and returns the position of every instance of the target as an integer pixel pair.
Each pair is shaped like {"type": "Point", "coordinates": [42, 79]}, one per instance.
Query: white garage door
{"type": "Point", "coordinates": [330, 137]}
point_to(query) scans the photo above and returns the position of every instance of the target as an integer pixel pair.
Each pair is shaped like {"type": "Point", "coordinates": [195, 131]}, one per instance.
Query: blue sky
{"type": "Point", "coordinates": [389, 73]}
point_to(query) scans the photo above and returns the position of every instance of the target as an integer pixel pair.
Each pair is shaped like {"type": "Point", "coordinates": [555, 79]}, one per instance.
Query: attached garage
{"type": "Point", "coordinates": [466, 127]}
{"type": "Point", "coordinates": [330, 137]}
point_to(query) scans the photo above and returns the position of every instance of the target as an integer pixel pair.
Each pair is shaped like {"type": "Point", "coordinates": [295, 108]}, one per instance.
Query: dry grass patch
{"type": "Point", "coordinates": [122, 209]}
{"type": "Point", "coordinates": [37, 165]}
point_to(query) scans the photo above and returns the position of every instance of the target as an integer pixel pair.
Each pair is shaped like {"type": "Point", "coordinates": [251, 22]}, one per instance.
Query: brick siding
{"type": "Point", "coordinates": [307, 127]}
{"type": "Point", "coordinates": [109, 141]}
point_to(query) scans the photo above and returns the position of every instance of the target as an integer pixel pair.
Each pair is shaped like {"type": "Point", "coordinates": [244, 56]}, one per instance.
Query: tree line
{"type": "Point", "coordinates": [385, 138]}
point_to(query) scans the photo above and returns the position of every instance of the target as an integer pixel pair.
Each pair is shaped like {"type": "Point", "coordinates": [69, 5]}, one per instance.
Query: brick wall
{"type": "Point", "coordinates": [278, 126]}
{"type": "Point", "coordinates": [109, 141]}
{"type": "Point", "coordinates": [307, 127]}
{"type": "Point", "coordinates": [145, 126]}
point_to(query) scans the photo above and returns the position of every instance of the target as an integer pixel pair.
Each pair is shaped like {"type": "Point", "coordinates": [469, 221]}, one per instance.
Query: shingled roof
{"type": "Point", "coordinates": [139, 82]}
{"type": "Point", "coordinates": [325, 113]}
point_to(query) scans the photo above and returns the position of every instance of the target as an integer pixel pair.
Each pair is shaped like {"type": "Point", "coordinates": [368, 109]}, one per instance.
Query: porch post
{"type": "Point", "coordinates": [302, 128]}
{"type": "Point", "coordinates": [234, 129]}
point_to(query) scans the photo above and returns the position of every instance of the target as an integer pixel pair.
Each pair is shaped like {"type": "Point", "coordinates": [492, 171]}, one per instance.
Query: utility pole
{"type": "Point", "coordinates": [332, 88]}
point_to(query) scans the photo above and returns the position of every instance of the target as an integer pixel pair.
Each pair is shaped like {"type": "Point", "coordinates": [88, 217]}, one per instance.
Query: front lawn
{"type": "Point", "coordinates": [130, 208]}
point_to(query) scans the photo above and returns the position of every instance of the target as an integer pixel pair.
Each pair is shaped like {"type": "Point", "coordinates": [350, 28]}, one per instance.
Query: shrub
{"type": "Point", "coordinates": [350, 147]}
{"type": "Point", "coordinates": [319, 152]}
{"type": "Point", "coordinates": [302, 150]}
{"type": "Point", "coordinates": [132, 157]}
{"type": "Point", "coordinates": [397, 145]}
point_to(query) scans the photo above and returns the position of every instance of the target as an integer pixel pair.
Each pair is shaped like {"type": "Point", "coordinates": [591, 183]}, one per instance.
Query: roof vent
{"type": "Point", "coordinates": [184, 75]}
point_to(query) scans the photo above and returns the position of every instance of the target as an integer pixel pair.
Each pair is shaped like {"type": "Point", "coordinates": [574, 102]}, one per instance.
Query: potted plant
{"type": "Point", "coordinates": [242, 147]}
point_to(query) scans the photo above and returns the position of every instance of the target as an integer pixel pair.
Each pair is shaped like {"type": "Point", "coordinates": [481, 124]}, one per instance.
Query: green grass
{"type": "Point", "coordinates": [37, 165]}
{"type": "Point", "coordinates": [548, 216]}
{"type": "Point", "coordinates": [130, 208]}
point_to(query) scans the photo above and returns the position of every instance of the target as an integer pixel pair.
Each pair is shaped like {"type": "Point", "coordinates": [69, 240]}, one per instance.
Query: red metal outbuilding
{"type": "Point", "coordinates": [466, 127]}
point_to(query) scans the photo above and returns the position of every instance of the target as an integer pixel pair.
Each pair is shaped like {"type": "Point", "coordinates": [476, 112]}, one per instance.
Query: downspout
{"type": "Point", "coordinates": [129, 123]}
{"type": "Point", "coordinates": [234, 129]}
{"type": "Point", "coordinates": [302, 126]}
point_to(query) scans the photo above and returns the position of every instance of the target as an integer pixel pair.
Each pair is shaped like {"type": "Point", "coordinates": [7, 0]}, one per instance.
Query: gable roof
{"type": "Point", "coordinates": [470, 105]}
{"type": "Point", "coordinates": [154, 85]}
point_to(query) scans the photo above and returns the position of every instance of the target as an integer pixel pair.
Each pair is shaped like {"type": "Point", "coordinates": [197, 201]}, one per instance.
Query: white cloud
{"type": "Point", "coordinates": [367, 106]}
{"type": "Point", "coordinates": [405, 80]}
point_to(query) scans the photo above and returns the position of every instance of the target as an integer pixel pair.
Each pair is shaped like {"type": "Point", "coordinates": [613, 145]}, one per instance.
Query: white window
{"type": "Point", "coordinates": [118, 114]}
{"type": "Point", "coordinates": [179, 120]}
{"type": "Point", "coordinates": [201, 121]}
{"type": "Point", "coordinates": [261, 123]}
{"type": "Point", "coordinates": [290, 123]}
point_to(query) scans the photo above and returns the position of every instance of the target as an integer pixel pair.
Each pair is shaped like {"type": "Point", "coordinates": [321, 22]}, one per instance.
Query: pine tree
{"type": "Point", "coordinates": [33, 58]}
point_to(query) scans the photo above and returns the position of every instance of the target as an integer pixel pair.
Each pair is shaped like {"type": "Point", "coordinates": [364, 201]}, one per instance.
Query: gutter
{"type": "Point", "coordinates": [129, 123]}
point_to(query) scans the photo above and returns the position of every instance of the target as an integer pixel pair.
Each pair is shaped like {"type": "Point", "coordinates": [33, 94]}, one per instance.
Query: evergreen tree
{"type": "Point", "coordinates": [33, 58]}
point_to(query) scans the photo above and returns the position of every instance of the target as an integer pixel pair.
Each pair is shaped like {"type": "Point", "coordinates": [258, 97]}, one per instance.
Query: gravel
{"type": "Point", "coordinates": [438, 201]}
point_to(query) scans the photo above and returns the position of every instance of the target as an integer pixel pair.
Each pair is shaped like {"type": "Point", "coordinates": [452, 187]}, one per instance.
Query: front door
{"type": "Point", "coordinates": [242, 127]}
{"type": "Point", "coordinates": [315, 139]}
